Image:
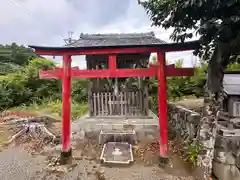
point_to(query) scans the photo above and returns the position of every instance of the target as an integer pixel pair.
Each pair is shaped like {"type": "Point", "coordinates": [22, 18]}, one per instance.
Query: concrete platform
{"type": "Point", "coordinates": [143, 126]}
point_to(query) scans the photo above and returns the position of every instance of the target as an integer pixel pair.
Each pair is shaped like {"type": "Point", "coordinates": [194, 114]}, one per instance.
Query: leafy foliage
{"type": "Point", "coordinates": [178, 87]}
{"type": "Point", "coordinates": [25, 87]}
{"type": "Point", "coordinates": [214, 21]}
{"type": "Point", "coordinates": [6, 68]}
{"type": "Point", "coordinates": [16, 55]}
{"type": "Point", "coordinates": [79, 90]}
{"type": "Point", "coordinates": [192, 153]}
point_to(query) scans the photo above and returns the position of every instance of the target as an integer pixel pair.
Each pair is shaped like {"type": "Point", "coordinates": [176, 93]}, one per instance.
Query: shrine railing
{"type": "Point", "coordinates": [124, 104]}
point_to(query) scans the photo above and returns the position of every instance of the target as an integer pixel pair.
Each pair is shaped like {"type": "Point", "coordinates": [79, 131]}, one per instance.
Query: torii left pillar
{"type": "Point", "coordinates": [66, 152]}
{"type": "Point", "coordinates": [162, 108]}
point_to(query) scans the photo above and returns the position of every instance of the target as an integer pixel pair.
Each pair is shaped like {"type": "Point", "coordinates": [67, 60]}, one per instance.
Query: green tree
{"type": "Point", "coordinates": [15, 54]}
{"type": "Point", "coordinates": [40, 88]}
{"type": "Point", "coordinates": [25, 86]}
{"type": "Point", "coordinates": [217, 23]}
{"type": "Point", "coordinates": [79, 90]}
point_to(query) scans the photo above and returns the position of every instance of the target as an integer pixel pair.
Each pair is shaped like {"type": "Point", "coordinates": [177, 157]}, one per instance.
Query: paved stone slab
{"type": "Point", "coordinates": [117, 153]}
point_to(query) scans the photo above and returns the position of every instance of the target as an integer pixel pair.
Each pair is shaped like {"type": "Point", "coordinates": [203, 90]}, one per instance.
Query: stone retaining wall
{"type": "Point", "coordinates": [189, 127]}
{"type": "Point", "coordinates": [183, 122]}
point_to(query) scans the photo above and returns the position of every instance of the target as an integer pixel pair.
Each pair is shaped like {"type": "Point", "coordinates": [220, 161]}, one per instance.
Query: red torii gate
{"type": "Point", "coordinates": [171, 70]}
{"type": "Point", "coordinates": [161, 70]}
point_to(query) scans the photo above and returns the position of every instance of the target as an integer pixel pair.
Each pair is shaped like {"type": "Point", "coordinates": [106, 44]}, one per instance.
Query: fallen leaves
{"type": "Point", "coordinates": [146, 153]}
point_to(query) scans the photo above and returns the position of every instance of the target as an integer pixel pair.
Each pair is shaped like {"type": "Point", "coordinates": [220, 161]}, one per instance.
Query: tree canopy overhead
{"type": "Point", "coordinates": [216, 22]}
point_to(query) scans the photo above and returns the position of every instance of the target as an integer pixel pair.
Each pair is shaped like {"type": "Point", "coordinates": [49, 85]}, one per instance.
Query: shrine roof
{"type": "Point", "coordinates": [190, 45]}
{"type": "Point", "coordinates": [115, 43]}
{"type": "Point", "coordinates": [103, 40]}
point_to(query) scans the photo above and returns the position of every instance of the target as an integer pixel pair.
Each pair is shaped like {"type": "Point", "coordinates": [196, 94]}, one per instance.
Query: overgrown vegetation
{"type": "Point", "coordinates": [21, 87]}
{"type": "Point", "coordinates": [180, 87]}
{"type": "Point", "coordinates": [192, 151]}
{"type": "Point", "coordinates": [52, 107]}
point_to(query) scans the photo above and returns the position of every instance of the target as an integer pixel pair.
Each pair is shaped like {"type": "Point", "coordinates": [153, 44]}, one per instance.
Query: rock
{"type": "Point", "coordinates": [48, 150]}
{"type": "Point", "coordinates": [62, 169]}
{"type": "Point", "coordinates": [77, 155]}
{"type": "Point", "coordinates": [89, 172]}
{"type": "Point", "coordinates": [101, 170]}
{"type": "Point", "coordinates": [96, 167]}
{"type": "Point", "coordinates": [74, 145]}
{"type": "Point", "coordinates": [81, 135]}
{"type": "Point", "coordinates": [150, 137]}
{"type": "Point", "coordinates": [100, 173]}
{"type": "Point", "coordinates": [57, 140]}
{"type": "Point", "coordinates": [90, 158]}
{"type": "Point", "coordinates": [225, 171]}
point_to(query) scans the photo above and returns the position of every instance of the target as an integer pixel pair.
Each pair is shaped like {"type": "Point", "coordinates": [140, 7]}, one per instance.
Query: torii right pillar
{"type": "Point", "coordinates": [162, 108]}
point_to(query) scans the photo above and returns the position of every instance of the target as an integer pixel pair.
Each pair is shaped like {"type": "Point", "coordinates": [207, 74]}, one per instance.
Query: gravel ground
{"type": "Point", "coordinates": [17, 164]}
{"type": "Point", "coordinates": [135, 172]}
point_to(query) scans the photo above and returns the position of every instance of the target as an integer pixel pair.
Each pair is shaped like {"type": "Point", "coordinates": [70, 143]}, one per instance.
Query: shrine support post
{"type": "Point", "coordinates": [66, 111]}
{"type": "Point", "coordinates": [162, 108]}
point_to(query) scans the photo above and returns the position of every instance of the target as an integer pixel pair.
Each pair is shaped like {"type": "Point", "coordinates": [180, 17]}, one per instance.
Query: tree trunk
{"type": "Point", "coordinates": [212, 105]}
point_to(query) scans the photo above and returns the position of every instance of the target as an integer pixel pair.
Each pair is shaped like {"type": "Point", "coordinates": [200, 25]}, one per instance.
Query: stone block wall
{"type": "Point", "coordinates": [183, 123]}
{"type": "Point", "coordinates": [226, 164]}
{"type": "Point", "coordinates": [188, 127]}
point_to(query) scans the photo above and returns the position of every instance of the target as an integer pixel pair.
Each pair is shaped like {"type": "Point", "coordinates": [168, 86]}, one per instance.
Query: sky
{"type": "Point", "coordinates": [47, 22]}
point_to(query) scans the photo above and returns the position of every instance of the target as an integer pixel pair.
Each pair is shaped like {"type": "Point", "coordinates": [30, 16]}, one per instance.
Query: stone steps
{"type": "Point", "coordinates": [127, 135]}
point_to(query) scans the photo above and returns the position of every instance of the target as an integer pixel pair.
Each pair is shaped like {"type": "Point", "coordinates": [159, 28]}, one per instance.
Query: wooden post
{"type": "Point", "coordinates": [90, 98]}
{"type": "Point", "coordinates": [162, 108]}
{"type": "Point", "coordinates": [66, 153]}
{"type": "Point", "coordinates": [112, 62]}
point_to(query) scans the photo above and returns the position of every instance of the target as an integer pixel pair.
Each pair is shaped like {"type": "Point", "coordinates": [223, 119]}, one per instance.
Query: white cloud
{"type": "Point", "coordinates": [44, 22]}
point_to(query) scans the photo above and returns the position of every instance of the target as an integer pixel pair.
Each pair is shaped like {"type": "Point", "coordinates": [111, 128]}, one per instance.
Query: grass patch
{"type": "Point", "coordinates": [53, 108]}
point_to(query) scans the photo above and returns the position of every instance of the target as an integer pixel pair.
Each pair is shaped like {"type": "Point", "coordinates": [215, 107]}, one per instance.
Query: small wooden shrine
{"type": "Point", "coordinates": [117, 96]}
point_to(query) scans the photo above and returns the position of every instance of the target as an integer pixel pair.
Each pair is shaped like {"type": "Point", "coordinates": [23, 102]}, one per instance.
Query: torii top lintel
{"type": "Point", "coordinates": [94, 50]}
